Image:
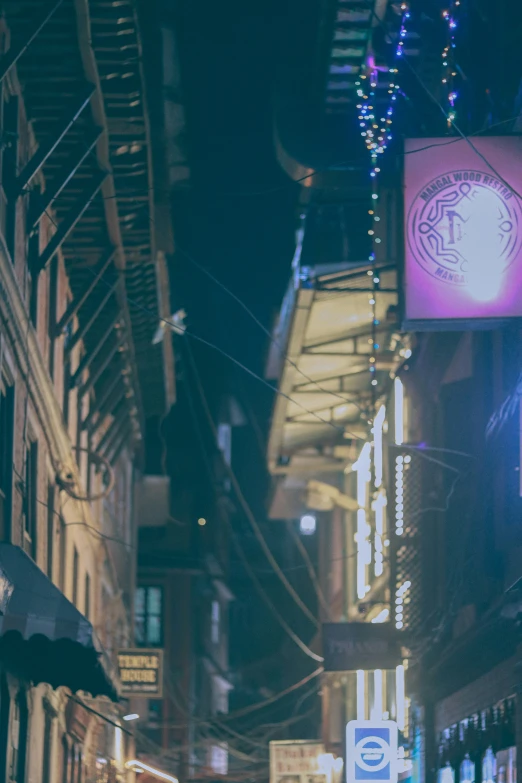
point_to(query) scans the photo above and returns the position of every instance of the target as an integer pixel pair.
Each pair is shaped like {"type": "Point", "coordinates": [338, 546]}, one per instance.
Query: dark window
{"type": "Point", "coordinates": [19, 738]}
{"type": "Point", "coordinates": [67, 335]}
{"type": "Point", "coordinates": [51, 323]}
{"type": "Point", "coordinates": [6, 459]}
{"type": "Point", "coordinates": [47, 746]}
{"type": "Point", "coordinates": [63, 553]}
{"type": "Point", "coordinates": [33, 276]}
{"type": "Point", "coordinates": [75, 577]}
{"type": "Point", "coordinates": [88, 596]}
{"type": "Point", "coordinates": [66, 759]}
{"type": "Point", "coordinates": [148, 613]}
{"type": "Point", "coordinates": [50, 530]}
{"type": "Point", "coordinates": [31, 498]}
{"type": "Point", "coordinates": [10, 171]}
{"type": "Point", "coordinates": [5, 711]}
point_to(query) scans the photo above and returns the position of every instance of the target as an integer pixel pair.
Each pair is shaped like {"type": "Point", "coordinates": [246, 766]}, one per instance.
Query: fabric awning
{"type": "Point", "coordinates": [43, 637]}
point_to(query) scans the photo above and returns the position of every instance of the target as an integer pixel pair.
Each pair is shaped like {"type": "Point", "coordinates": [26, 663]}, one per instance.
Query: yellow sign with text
{"type": "Point", "coordinates": [141, 672]}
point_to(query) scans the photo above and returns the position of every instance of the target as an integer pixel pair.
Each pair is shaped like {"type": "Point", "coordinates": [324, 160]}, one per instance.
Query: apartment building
{"type": "Point", "coordinates": [83, 286]}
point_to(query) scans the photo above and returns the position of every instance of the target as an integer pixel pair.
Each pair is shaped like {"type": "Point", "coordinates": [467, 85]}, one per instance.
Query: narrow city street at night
{"type": "Point", "coordinates": [260, 391]}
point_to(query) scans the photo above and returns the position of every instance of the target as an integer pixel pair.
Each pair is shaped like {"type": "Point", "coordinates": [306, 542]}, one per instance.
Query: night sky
{"type": "Point", "coordinates": [237, 220]}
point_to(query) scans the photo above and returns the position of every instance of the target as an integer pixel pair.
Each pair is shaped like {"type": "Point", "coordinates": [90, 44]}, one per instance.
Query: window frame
{"type": "Point", "coordinates": [30, 497]}
{"type": "Point", "coordinates": [75, 575]}
{"type": "Point", "coordinates": [87, 596]}
{"type": "Point", "coordinates": [7, 404]}
{"type": "Point", "coordinates": [146, 615]}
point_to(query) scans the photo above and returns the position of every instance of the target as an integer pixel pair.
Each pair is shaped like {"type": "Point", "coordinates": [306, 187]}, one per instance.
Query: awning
{"type": "Point", "coordinates": [43, 637]}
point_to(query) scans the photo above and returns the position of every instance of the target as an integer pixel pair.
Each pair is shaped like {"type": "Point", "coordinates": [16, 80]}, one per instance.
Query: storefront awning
{"type": "Point", "coordinates": [43, 637]}
{"type": "Point", "coordinates": [328, 336]}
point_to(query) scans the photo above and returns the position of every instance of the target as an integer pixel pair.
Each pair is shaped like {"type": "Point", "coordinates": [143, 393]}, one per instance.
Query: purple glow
{"type": "Point", "coordinates": [463, 261]}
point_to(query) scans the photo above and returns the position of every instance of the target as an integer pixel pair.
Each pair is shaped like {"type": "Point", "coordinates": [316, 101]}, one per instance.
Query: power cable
{"type": "Point", "coordinates": [261, 705]}
{"type": "Point", "coordinates": [447, 117]}
{"type": "Point", "coordinates": [282, 622]}
{"type": "Point", "coordinates": [252, 373]}
{"type": "Point", "coordinates": [310, 568]}
{"type": "Point", "coordinates": [263, 328]}
{"type": "Point", "coordinates": [246, 508]}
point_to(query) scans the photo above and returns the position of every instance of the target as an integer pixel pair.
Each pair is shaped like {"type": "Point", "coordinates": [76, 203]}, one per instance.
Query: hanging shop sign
{"type": "Point", "coordinates": [463, 231]}
{"type": "Point", "coordinates": [371, 751]}
{"type": "Point", "coordinates": [351, 646]}
{"type": "Point", "coordinates": [141, 672]}
{"type": "Point", "coordinates": [297, 762]}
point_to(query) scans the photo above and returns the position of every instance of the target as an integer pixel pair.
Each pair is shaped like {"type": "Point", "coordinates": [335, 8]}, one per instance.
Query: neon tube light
{"type": "Point", "coordinates": [399, 411]}
{"type": "Point", "coordinates": [378, 425]}
{"type": "Point", "coordinates": [364, 548]}
{"type": "Point", "coordinates": [377, 695]}
{"type": "Point", "coordinates": [401, 698]}
{"type": "Point", "coordinates": [378, 505]}
{"type": "Point", "coordinates": [361, 695]}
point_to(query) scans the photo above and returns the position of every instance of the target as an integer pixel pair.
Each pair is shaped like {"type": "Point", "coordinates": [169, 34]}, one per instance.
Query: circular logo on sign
{"type": "Point", "coordinates": [372, 754]}
{"type": "Point", "coordinates": [464, 228]}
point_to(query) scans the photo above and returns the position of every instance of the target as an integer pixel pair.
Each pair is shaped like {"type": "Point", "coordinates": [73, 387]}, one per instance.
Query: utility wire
{"type": "Point", "coordinates": [246, 508]}
{"type": "Point", "coordinates": [310, 568]}
{"type": "Point", "coordinates": [263, 328]}
{"type": "Point", "coordinates": [237, 546]}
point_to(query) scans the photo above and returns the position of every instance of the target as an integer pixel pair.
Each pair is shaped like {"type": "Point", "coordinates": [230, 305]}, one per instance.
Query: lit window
{"type": "Point", "coordinates": [148, 613]}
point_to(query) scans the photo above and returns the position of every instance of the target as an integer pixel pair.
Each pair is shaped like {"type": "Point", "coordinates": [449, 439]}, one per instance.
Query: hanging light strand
{"type": "Point", "coordinates": [376, 131]}
{"type": "Point", "coordinates": [449, 65]}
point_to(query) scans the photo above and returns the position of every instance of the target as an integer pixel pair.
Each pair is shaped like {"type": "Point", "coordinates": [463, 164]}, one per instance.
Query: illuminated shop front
{"type": "Point", "coordinates": [481, 748]}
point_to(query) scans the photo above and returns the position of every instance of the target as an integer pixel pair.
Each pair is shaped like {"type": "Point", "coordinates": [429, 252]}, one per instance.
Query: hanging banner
{"type": "Point", "coordinates": [141, 672]}
{"type": "Point", "coordinates": [351, 646]}
{"type": "Point", "coordinates": [371, 751]}
{"type": "Point", "coordinates": [297, 762]}
{"type": "Point", "coordinates": [463, 231]}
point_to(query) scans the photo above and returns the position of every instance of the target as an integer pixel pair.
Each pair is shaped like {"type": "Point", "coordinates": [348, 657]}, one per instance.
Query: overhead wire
{"type": "Point", "coordinates": [237, 546]}
{"type": "Point", "coordinates": [264, 329]}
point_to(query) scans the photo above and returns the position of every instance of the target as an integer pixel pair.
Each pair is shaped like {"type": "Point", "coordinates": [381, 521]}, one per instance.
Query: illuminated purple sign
{"type": "Point", "coordinates": [463, 243]}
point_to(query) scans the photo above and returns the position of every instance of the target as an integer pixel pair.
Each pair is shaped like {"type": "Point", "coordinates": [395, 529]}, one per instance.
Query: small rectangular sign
{"type": "Point", "coordinates": [371, 751]}
{"type": "Point", "coordinates": [141, 672]}
{"type": "Point", "coordinates": [296, 761]}
{"type": "Point", "coordinates": [351, 646]}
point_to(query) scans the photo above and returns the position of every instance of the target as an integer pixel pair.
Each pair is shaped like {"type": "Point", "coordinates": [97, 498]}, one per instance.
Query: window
{"type": "Point", "coordinates": [75, 577]}
{"type": "Point", "coordinates": [67, 336]}
{"type": "Point", "coordinates": [88, 596]}
{"type": "Point", "coordinates": [31, 498]}
{"type": "Point", "coordinates": [5, 711]}
{"type": "Point", "coordinates": [19, 738]}
{"type": "Point", "coordinates": [47, 745]}
{"type": "Point", "coordinates": [148, 612]}
{"type": "Point", "coordinates": [63, 554]}
{"type": "Point", "coordinates": [215, 621]}
{"type": "Point", "coordinates": [10, 170]}
{"type": "Point", "coordinates": [33, 276]}
{"type": "Point", "coordinates": [50, 530]}
{"type": "Point", "coordinates": [51, 321]}
{"type": "Point", "coordinates": [66, 759]}
{"type": "Point", "coordinates": [6, 459]}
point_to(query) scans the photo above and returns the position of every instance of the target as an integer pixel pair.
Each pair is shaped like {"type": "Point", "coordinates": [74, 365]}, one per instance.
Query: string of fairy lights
{"type": "Point", "coordinates": [376, 132]}
{"type": "Point", "coordinates": [449, 65]}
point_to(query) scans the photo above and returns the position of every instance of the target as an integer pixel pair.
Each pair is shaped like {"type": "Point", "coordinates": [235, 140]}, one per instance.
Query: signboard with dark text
{"type": "Point", "coordinates": [141, 672]}
{"type": "Point", "coordinates": [297, 761]}
{"type": "Point", "coordinates": [463, 231]}
{"type": "Point", "coordinates": [351, 646]}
